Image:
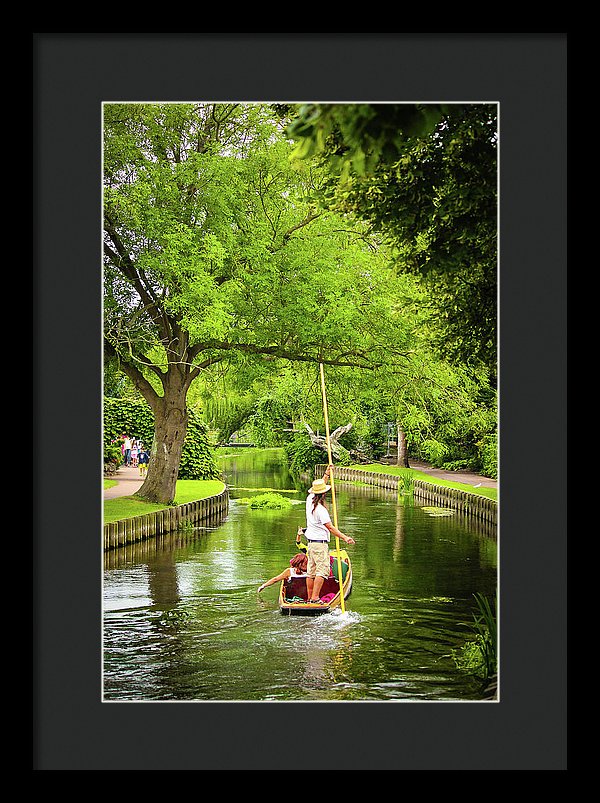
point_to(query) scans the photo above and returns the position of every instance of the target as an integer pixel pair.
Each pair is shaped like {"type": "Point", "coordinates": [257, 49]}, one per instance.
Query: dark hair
{"type": "Point", "coordinates": [299, 561]}
{"type": "Point", "coordinates": [318, 498]}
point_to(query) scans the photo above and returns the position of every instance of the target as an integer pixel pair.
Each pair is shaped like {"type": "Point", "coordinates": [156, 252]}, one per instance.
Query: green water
{"type": "Point", "coordinates": [183, 620]}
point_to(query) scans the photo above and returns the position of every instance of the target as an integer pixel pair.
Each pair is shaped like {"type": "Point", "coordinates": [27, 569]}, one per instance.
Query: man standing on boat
{"type": "Point", "coordinates": [319, 527]}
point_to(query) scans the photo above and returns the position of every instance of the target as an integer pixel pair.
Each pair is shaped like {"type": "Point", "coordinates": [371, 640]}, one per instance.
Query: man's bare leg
{"type": "Point", "coordinates": [316, 590]}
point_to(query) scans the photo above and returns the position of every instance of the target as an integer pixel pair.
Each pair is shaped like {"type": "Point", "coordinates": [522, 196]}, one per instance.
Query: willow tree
{"type": "Point", "coordinates": [212, 247]}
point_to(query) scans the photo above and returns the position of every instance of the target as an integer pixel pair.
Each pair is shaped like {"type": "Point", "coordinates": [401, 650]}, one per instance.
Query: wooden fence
{"type": "Point", "coordinates": [467, 504]}
{"type": "Point", "coordinates": [138, 528]}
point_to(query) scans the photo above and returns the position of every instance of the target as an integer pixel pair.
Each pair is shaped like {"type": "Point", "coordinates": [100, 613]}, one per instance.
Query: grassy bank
{"type": "Point", "coordinates": [491, 493]}
{"type": "Point", "coordinates": [124, 507]}
{"type": "Point", "coordinates": [384, 468]}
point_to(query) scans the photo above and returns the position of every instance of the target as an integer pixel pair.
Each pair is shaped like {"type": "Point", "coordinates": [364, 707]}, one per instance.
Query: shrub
{"type": "Point", "coordinates": [433, 451]}
{"type": "Point", "coordinates": [302, 455]}
{"type": "Point", "coordinates": [479, 656]}
{"type": "Point", "coordinates": [344, 458]}
{"type": "Point", "coordinates": [370, 432]}
{"type": "Point", "coordinates": [135, 418]}
{"type": "Point", "coordinates": [488, 451]}
{"type": "Point", "coordinates": [460, 465]}
{"type": "Point", "coordinates": [131, 417]}
{"type": "Point", "coordinates": [268, 501]}
{"type": "Point", "coordinates": [113, 454]}
{"type": "Point", "coordinates": [197, 459]}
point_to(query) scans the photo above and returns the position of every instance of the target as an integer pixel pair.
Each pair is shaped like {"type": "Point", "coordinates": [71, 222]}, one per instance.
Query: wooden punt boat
{"type": "Point", "coordinates": [293, 594]}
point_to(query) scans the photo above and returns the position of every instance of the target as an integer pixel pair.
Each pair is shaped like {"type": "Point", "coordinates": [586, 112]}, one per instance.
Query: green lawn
{"type": "Point", "coordinates": [124, 507]}
{"type": "Point", "coordinates": [109, 484]}
{"type": "Point", "coordinates": [491, 493]}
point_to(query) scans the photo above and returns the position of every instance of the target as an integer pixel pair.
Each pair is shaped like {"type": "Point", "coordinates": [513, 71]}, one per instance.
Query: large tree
{"type": "Point", "coordinates": [426, 176]}
{"type": "Point", "coordinates": [441, 412]}
{"type": "Point", "coordinates": [213, 247]}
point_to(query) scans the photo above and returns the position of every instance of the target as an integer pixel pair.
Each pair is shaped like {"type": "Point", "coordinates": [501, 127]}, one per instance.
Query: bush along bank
{"type": "Point", "coordinates": [135, 418]}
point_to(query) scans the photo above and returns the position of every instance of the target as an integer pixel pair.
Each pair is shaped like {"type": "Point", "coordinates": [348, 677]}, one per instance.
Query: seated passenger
{"type": "Point", "coordinates": [297, 568]}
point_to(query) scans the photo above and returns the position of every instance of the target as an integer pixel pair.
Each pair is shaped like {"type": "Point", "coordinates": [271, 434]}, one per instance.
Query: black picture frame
{"type": "Point", "coordinates": [73, 74]}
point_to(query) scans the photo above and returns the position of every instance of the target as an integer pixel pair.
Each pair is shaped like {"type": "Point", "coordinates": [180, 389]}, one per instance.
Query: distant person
{"type": "Point", "coordinates": [134, 453]}
{"type": "Point", "coordinates": [143, 460]}
{"type": "Point", "coordinates": [127, 450]}
{"type": "Point", "coordinates": [318, 530]}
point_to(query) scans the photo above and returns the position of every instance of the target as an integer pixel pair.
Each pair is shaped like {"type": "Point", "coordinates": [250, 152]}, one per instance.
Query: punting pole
{"type": "Point", "coordinates": [335, 521]}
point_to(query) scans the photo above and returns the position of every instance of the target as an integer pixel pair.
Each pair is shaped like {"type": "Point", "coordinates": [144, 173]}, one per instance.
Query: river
{"type": "Point", "coordinates": [183, 621]}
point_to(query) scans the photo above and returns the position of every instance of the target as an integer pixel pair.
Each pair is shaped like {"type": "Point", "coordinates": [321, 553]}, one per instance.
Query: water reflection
{"type": "Point", "coordinates": [183, 620]}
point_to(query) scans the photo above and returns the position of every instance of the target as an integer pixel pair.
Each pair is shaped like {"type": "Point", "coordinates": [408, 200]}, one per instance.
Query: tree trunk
{"type": "Point", "coordinates": [170, 426]}
{"type": "Point", "coordinates": [402, 459]}
{"type": "Point", "coordinates": [320, 441]}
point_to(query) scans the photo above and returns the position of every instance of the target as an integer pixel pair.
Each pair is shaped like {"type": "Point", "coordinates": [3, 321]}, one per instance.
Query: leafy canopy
{"type": "Point", "coordinates": [211, 226]}
{"type": "Point", "coordinates": [425, 176]}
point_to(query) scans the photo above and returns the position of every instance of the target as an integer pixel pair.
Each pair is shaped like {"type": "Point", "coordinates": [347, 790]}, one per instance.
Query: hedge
{"type": "Point", "coordinates": [134, 417]}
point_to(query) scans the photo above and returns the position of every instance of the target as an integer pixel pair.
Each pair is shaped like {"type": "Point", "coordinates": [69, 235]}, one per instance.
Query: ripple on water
{"type": "Point", "coordinates": [186, 621]}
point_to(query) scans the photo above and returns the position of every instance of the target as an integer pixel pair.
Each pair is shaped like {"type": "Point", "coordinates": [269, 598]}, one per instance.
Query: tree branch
{"type": "Point", "coordinates": [320, 441]}
{"type": "Point", "coordinates": [347, 359]}
{"type": "Point", "coordinates": [308, 219]}
{"type": "Point", "coordinates": [122, 261]}
{"type": "Point", "coordinates": [134, 373]}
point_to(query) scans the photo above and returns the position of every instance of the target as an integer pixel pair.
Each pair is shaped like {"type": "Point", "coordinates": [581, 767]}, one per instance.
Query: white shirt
{"type": "Point", "coordinates": [316, 521]}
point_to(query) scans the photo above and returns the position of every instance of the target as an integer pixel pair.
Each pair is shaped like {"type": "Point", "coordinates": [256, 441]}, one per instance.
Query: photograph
{"type": "Point", "coordinates": [304, 297]}
{"type": "Point", "coordinates": [300, 402]}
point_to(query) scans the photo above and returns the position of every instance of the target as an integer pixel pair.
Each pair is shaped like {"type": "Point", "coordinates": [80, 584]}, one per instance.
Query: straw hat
{"type": "Point", "coordinates": [319, 487]}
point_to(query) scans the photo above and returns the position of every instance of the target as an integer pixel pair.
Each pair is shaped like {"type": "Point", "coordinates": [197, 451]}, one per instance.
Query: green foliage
{"type": "Point", "coordinates": [301, 455]}
{"type": "Point", "coordinates": [405, 482]}
{"type": "Point", "coordinates": [134, 418]}
{"type": "Point", "coordinates": [370, 428]}
{"type": "Point", "coordinates": [488, 454]}
{"type": "Point", "coordinates": [426, 177]}
{"type": "Point", "coordinates": [446, 411]}
{"type": "Point", "coordinates": [432, 450]}
{"type": "Point", "coordinates": [485, 624]}
{"type": "Point", "coordinates": [231, 228]}
{"type": "Point", "coordinates": [479, 656]}
{"type": "Point", "coordinates": [268, 420]}
{"type": "Point", "coordinates": [261, 268]}
{"type": "Point", "coordinates": [470, 658]}
{"type": "Point", "coordinates": [343, 457]}
{"type": "Point", "coordinates": [131, 417]}
{"type": "Point", "coordinates": [116, 384]}
{"type": "Point", "coordinates": [214, 251]}
{"type": "Point", "coordinates": [198, 461]}
{"type": "Point", "coordinates": [226, 414]}
{"type": "Point", "coordinates": [357, 136]}
{"type": "Point", "coordinates": [113, 454]}
{"type": "Point", "coordinates": [267, 501]}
